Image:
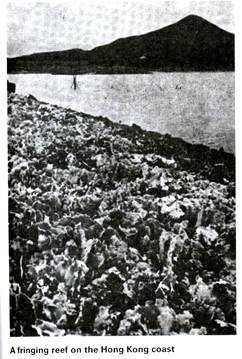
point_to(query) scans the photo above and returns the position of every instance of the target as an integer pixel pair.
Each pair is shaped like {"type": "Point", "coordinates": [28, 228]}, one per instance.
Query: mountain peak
{"type": "Point", "coordinates": [193, 19]}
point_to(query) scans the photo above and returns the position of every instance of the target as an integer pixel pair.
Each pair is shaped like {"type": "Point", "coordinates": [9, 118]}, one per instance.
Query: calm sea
{"type": "Point", "coordinates": [198, 107]}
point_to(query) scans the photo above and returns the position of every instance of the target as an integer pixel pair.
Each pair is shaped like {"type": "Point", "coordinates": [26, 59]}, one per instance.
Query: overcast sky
{"type": "Point", "coordinates": [48, 26]}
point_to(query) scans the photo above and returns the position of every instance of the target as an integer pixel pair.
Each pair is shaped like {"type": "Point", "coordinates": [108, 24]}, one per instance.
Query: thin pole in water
{"type": "Point", "coordinates": [74, 84]}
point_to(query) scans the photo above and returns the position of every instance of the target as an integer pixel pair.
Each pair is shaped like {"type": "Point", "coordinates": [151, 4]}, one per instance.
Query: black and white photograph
{"type": "Point", "coordinates": [121, 168]}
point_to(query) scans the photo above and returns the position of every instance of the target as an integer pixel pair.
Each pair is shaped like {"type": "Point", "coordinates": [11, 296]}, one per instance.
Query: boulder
{"type": "Point", "coordinates": [11, 87]}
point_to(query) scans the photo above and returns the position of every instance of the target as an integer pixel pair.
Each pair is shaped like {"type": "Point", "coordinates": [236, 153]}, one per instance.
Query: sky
{"type": "Point", "coordinates": [36, 26]}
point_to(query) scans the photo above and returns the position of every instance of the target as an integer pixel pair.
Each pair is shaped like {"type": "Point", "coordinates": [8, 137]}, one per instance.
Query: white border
{"type": "Point", "coordinates": [186, 346]}
{"type": "Point", "coordinates": [4, 301]}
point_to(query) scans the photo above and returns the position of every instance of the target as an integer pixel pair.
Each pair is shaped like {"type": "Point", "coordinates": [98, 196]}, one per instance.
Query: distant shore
{"type": "Point", "coordinates": [114, 70]}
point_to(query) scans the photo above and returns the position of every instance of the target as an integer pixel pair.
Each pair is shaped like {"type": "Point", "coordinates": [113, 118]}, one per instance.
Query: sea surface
{"type": "Point", "coordinates": [198, 107]}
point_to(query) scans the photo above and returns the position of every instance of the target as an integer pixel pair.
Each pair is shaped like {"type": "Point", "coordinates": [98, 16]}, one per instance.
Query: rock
{"type": "Point", "coordinates": [11, 87]}
{"type": "Point", "coordinates": [208, 234]}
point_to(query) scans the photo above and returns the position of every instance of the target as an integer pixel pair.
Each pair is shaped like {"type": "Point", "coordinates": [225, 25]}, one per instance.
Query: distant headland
{"type": "Point", "coordinates": [191, 44]}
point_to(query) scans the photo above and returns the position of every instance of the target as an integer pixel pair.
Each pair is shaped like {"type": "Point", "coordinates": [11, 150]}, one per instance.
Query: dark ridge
{"type": "Point", "coordinates": [191, 44]}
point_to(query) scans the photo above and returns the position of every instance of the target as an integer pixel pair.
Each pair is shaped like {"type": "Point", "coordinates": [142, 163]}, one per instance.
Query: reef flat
{"type": "Point", "coordinates": [114, 230]}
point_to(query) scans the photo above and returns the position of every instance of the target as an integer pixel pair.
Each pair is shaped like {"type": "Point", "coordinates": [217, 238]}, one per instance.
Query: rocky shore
{"type": "Point", "coordinates": [115, 230]}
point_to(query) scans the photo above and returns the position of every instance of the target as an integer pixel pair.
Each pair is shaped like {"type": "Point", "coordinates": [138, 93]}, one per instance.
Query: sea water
{"type": "Point", "coordinates": [198, 107]}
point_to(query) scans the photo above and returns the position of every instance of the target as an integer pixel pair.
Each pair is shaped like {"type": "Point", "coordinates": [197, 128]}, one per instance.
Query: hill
{"type": "Point", "coordinates": [191, 44]}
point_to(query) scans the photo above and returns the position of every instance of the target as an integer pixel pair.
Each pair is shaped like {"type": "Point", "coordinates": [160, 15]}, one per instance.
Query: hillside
{"type": "Point", "coordinates": [114, 230]}
{"type": "Point", "coordinates": [191, 44]}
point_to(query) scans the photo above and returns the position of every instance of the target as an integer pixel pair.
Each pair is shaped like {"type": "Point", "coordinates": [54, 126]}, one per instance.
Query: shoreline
{"type": "Point", "coordinates": [192, 150]}
{"type": "Point", "coordinates": [120, 104]}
